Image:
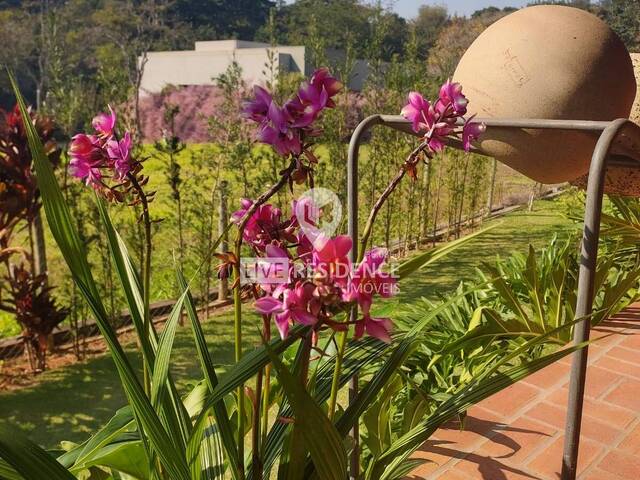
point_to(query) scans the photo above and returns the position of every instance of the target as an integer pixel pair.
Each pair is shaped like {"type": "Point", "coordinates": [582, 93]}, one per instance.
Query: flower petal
{"type": "Point", "coordinates": [268, 305]}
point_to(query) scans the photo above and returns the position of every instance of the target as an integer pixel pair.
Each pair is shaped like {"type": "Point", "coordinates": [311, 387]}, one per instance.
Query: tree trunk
{"type": "Point", "coordinates": [424, 217]}
{"type": "Point", "coordinates": [492, 187]}
{"type": "Point", "coordinates": [437, 207]}
{"type": "Point", "coordinates": [39, 246]}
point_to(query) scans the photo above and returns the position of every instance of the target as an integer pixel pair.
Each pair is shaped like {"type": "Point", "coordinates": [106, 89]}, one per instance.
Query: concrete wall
{"type": "Point", "coordinates": [211, 59]}
{"type": "Point", "coordinates": [200, 67]}
{"type": "Point", "coordinates": [222, 45]}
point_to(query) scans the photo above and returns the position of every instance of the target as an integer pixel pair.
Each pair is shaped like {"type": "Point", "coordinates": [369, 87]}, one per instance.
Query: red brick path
{"type": "Point", "coordinates": [518, 433]}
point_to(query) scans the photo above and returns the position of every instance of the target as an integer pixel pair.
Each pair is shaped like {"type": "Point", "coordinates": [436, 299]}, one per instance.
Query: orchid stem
{"type": "Point", "coordinates": [266, 389]}
{"type": "Point", "coordinates": [335, 381]}
{"type": "Point", "coordinates": [411, 160]}
{"type": "Point", "coordinates": [237, 317]}
{"type": "Point", "coordinates": [146, 271]}
{"type": "Point", "coordinates": [237, 297]}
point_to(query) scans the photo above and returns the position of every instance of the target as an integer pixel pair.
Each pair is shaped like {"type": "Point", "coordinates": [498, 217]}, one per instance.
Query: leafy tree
{"type": "Point", "coordinates": [339, 22]}
{"type": "Point", "coordinates": [624, 17]}
{"type": "Point", "coordinates": [222, 19]}
{"type": "Point", "coordinates": [427, 25]}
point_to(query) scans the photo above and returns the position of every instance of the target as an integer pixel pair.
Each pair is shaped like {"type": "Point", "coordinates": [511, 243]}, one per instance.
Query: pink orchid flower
{"type": "Point", "coordinates": [120, 154]}
{"type": "Point", "coordinates": [81, 168]}
{"type": "Point", "coordinates": [375, 327]}
{"type": "Point", "coordinates": [285, 127]}
{"type": "Point", "coordinates": [104, 123]}
{"type": "Point", "coordinates": [87, 158]}
{"type": "Point", "coordinates": [322, 80]}
{"type": "Point", "coordinates": [471, 131]}
{"type": "Point", "coordinates": [294, 307]}
{"type": "Point", "coordinates": [451, 95]}
{"type": "Point", "coordinates": [419, 111]}
{"type": "Point", "coordinates": [278, 132]}
{"type": "Point", "coordinates": [332, 259]}
{"type": "Point", "coordinates": [258, 108]}
{"type": "Point", "coordinates": [261, 226]}
{"type": "Point", "coordinates": [426, 119]}
{"type": "Point", "coordinates": [303, 114]}
{"type": "Point", "coordinates": [368, 280]}
{"type": "Point", "coordinates": [272, 277]}
{"type": "Point", "coordinates": [304, 248]}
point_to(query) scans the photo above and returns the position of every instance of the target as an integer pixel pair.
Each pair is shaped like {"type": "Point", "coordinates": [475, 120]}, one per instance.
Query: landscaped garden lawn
{"type": "Point", "coordinates": [69, 403]}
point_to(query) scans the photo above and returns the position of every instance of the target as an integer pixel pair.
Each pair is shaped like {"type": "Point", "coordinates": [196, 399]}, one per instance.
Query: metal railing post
{"type": "Point", "coordinates": [609, 131]}
{"type": "Point", "coordinates": [584, 304]}
{"type": "Point", "coordinates": [352, 209]}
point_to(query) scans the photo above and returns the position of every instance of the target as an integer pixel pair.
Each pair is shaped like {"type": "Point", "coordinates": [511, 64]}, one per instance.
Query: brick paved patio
{"type": "Point", "coordinates": [518, 433]}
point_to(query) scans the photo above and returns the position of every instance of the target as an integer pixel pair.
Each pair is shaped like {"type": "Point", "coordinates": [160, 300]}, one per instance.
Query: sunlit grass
{"type": "Point", "coordinates": [68, 403]}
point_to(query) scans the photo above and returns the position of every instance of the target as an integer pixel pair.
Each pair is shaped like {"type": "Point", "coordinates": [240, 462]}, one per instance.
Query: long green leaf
{"type": "Point", "coordinates": [359, 355]}
{"type": "Point", "coordinates": [72, 249]}
{"type": "Point", "coordinates": [320, 436]}
{"type": "Point", "coordinates": [460, 402]}
{"type": "Point", "coordinates": [375, 385]}
{"type": "Point", "coordinates": [224, 429]}
{"type": "Point", "coordinates": [165, 346]}
{"type": "Point", "coordinates": [31, 461]}
{"type": "Point", "coordinates": [242, 371]}
{"type": "Point", "coordinates": [170, 406]}
{"type": "Point", "coordinates": [7, 472]}
{"type": "Point", "coordinates": [130, 281]}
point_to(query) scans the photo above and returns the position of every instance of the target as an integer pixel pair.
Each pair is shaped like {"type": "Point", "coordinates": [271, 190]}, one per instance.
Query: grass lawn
{"type": "Point", "coordinates": [69, 403]}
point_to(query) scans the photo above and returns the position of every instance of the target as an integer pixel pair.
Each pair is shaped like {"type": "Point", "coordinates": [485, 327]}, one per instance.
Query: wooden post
{"type": "Point", "coordinates": [492, 187]}
{"type": "Point", "coordinates": [223, 220]}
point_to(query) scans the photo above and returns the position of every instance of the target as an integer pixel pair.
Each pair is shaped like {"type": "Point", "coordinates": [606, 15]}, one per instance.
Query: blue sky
{"type": "Point", "coordinates": [409, 8]}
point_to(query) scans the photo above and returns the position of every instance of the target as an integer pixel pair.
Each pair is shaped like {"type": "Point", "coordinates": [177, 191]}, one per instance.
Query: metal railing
{"type": "Point", "coordinates": [618, 144]}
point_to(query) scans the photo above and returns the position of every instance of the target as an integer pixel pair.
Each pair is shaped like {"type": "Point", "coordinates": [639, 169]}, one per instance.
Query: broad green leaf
{"type": "Point", "coordinates": [242, 371]}
{"type": "Point", "coordinates": [320, 436]}
{"type": "Point", "coordinates": [124, 457]}
{"type": "Point", "coordinates": [224, 429]}
{"type": "Point", "coordinates": [31, 461]}
{"type": "Point", "coordinates": [122, 420]}
{"type": "Point", "coordinates": [213, 465]}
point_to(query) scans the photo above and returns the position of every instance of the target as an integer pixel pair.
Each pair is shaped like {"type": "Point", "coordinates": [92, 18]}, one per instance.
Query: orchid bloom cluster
{"type": "Point", "coordinates": [439, 120]}
{"type": "Point", "coordinates": [287, 128]}
{"type": "Point", "coordinates": [102, 156]}
{"type": "Point", "coordinates": [319, 281]}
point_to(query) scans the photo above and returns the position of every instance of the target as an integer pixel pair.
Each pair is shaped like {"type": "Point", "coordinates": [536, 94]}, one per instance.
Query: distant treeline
{"type": "Point", "coordinates": [74, 56]}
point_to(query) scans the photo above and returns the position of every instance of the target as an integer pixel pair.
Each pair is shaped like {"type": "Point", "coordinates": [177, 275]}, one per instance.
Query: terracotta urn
{"type": "Point", "coordinates": [553, 62]}
{"type": "Point", "coordinates": [623, 180]}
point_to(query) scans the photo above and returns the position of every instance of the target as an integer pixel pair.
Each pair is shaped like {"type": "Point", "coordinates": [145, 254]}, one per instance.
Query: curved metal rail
{"type": "Point", "coordinates": [619, 144]}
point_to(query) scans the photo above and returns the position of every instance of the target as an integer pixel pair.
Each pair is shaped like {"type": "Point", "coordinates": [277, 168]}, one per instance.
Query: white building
{"type": "Point", "coordinates": [212, 58]}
